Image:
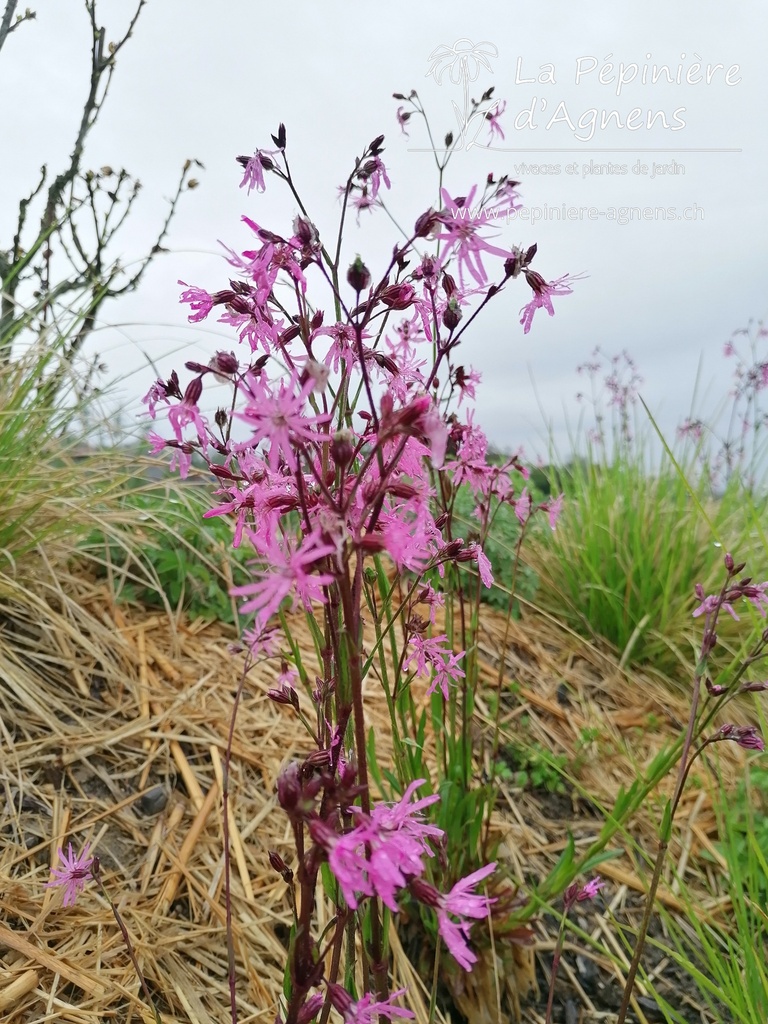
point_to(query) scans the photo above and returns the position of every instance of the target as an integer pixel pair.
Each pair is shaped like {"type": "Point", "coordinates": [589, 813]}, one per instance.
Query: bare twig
{"type": "Point", "coordinates": [5, 25]}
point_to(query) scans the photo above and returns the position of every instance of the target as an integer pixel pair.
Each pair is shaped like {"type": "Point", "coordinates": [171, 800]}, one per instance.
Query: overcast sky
{"type": "Point", "coordinates": [213, 81]}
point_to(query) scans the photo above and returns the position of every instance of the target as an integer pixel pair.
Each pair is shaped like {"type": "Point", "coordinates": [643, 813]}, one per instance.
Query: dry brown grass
{"type": "Point", "coordinates": [100, 705]}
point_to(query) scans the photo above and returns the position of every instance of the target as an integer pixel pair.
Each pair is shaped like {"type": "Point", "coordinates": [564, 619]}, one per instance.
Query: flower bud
{"type": "Point", "coordinates": [426, 224]}
{"type": "Point", "coordinates": [358, 275]}
{"type": "Point", "coordinates": [384, 361]}
{"type": "Point", "coordinates": [513, 265]}
{"type": "Point", "coordinates": [194, 391]}
{"type": "Point", "coordinates": [342, 448]}
{"type": "Point", "coordinates": [277, 863]}
{"type": "Point", "coordinates": [224, 362]}
{"type": "Point", "coordinates": [753, 687]}
{"type": "Point", "coordinates": [285, 695]}
{"type": "Point", "coordinates": [452, 315]}
{"type": "Point", "coordinates": [289, 334]}
{"type": "Point", "coordinates": [318, 372]}
{"type": "Point", "coordinates": [424, 892]}
{"type": "Point", "coordinates": [306, 233]}
{"type": "Point", "coordinates": [341, 1000]}
{"type": "Point", "coordinates": [398, 296]}
{"type": "Point", "coordinates": [536, 281]}
{"type": "Point", "coordinates": [289, 787]}
{"type": "Point", "coordinates": [311, 1008]}
{"type": "Point", "coordinates": [372, 544]}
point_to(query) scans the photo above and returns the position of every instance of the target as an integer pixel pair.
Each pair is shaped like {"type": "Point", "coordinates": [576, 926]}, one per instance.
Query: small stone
{"type": "Point", "coordinates": [153, 801]}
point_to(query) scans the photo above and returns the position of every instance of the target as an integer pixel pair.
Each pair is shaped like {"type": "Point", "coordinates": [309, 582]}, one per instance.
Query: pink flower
{"type": "Point", "coordinates": [554, 508]}
{"type": "Point", "coordinates": [574, 894]}
{"type": "Point", "coordinates": [745, 736]}
{"type": "Point", "coordinates": [542, 292]}
{"type": "Point", "coordinates": [710, 603]}
{"type": "Point", "coordinates": [467, 382]}
{"type": "Point", "coordinates": [179, 416]}
{"type": "Point", "coordinates": [492, 117]}
{"type": "Point", "coordinates": [375, 172]}
{"type": "Point", "coordinates": [366, 1010]}
{"type": "Point", "coordinates": [396, 836]}
{"type": "Point", "coordinates": [73, 874]}
{"type": "Point", "coordinates": [460, 902]}
{"type": "Point", "coordinates": [288, 570]}
{"type": "Point", "coordinates": [755, 594]}
{"type": "Point", "coordinates": [253, 170]}
{"type": "Point", "coordinates": [461, 222]}
{"type": "Point", "coordinates": [403, 116]}
{"type": "Point", "coordinates": [523, 507]}
{"type": "Point", "coordinates": [277, 416]}
{"type": "Point", "coordinates": [200, 301]}
{"type": "Point", "coordinates": [262, 642]}
{"type": "Point", "coordinates": [483, 566]}
{"type": "Point", "coordinates": [430, 656]}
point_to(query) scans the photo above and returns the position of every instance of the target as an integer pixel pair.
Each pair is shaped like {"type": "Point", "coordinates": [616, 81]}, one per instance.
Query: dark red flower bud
{"type": "Point", "coordinates": [398, 296]}
{"type": "Point", "coordinates": [317, 759]}
{"type": "Point", "coordinates": [258, 365]}
{"type": "Point", "coordinates": [372, 544]}
{"type": "Point", "coordinates": [452, 315]}
{"type": "Point", "coordinates": [358, 275]}
{"type": "Point", "coordinates": [289, 787]}
{"type": "Point", "coordinates": [193, 392]}
{"type": "Point", "coordinates": [512, 266]}
{"type": "Point", "coordinates": [289, 334]}
{"type": "Point", "coordinates": [426, 224]}
{"type": "Point", "coordinates": [225, 362]}
{"type": "Point", "coordinates": [239, 304]}
{"type": "Point", "coordinates": [342, 448]}
{"type": "Point", "coordinates": [341, 1000]}
{"type": "Point", "coordinates": [306, 232]}
{"type": "Point", "coordinates": [311, 1008]}
{"type": "Point", "coordinates": [424, 892]}
{"type": "Point", "coordinates": [277, 863]}
{"type": "Point", "coordinates": [536, 281]}
{"type": "Point", "coordinates": [285, 695]}
{"type": "Point", "coordinates": [385, 362]}
{"type": "Point", "coordinates": [222, 472]}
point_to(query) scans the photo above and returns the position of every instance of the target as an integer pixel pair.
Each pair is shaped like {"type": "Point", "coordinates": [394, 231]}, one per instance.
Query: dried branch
{"type": "Point", "coordinates": [82, 213]}
{"type": "Point", "coordinates": [5, 25]}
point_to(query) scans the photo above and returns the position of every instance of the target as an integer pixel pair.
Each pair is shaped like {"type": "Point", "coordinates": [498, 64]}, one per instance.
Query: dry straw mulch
{"type": "Point", "coordinates": [114, 723]}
